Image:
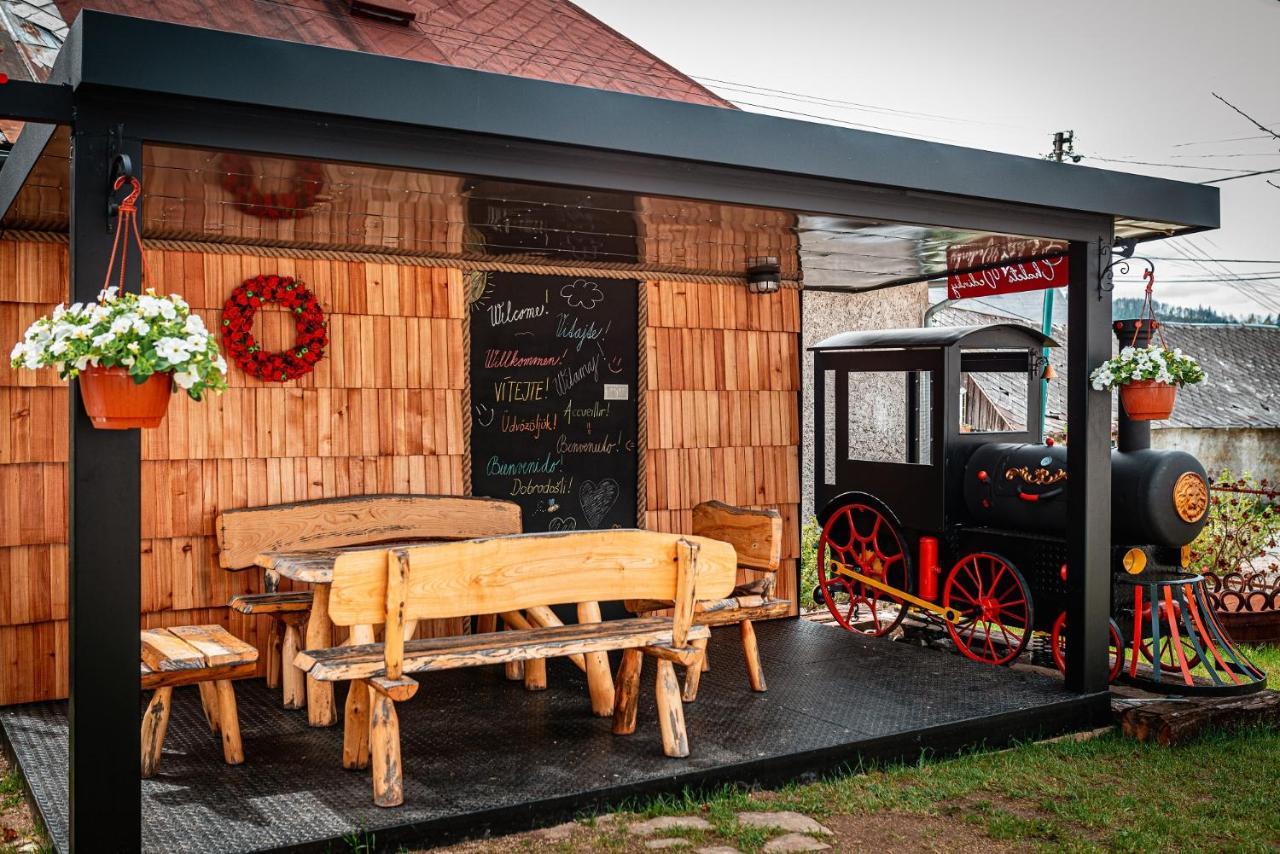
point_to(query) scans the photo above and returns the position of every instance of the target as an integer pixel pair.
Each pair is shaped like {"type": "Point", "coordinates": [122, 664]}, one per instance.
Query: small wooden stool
{"type": "Point", "coordinates": [207, 656]}
{"type": "Point", "coordinates": [288, 612]}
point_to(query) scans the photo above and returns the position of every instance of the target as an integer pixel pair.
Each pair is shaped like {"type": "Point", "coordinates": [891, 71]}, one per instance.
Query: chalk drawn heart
{"type": "Point", "coordinates": [562, 523]}
{"type": "Point", "coordinates": [597, 499]}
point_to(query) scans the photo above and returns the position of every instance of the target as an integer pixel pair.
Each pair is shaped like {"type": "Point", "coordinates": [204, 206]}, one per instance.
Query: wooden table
{"type": "Point", "coordinates": [316, 568]}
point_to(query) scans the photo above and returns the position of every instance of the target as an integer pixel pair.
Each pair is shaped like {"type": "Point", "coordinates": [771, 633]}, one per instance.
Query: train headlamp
{"type": "Point", "coordinates": [1135, 560]}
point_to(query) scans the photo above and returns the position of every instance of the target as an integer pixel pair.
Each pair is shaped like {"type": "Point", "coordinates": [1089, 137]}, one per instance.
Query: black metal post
{"type": "Point", "coordinates": [1089, 462]}
{"type": "Point", "coordinates": [104, 549]}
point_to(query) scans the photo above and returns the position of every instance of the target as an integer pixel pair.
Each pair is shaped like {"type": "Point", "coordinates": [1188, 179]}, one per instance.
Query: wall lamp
{"type": "Point", "coordinates": [764, 275]}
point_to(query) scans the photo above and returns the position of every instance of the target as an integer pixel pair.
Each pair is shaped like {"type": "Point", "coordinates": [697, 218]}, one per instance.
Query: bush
{"type": "Point", "coordinates": [809, 534]}
{"type": "Point", "coordinates": [1242, 526]}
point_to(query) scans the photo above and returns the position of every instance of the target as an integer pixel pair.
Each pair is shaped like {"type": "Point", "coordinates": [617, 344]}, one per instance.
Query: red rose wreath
{"type": "Point", "coordinates": [289, 204]}
{"type": "Point", "coordinates": [308, 319]}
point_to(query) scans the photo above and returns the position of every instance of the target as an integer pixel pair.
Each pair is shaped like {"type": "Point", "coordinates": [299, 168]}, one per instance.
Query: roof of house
{"type": "Point", "coordinates": [1241, 363]}
{"type": "Point", "coordinates": [543, 39]}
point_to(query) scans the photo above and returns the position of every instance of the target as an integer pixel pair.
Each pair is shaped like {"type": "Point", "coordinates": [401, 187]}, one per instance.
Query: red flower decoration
{"type": "Point", "coordinates": [291, 204]}
{"type": "Point", "coordinates": [308, 320]}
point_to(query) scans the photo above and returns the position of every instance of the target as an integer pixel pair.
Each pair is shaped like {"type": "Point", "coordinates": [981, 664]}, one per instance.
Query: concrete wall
{"type": "Point", "coordinates": [880, 418]}
{"type": "Point", "coordinates": [1252, 451]}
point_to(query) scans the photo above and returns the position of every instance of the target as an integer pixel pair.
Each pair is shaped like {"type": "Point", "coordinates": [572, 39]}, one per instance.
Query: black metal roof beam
{"type": "Point", "coordinates": [22, 158]}
{"type": "Point", "coordinates": [518, 116]}
{"type": "Point", "coordinates": [45, 103]}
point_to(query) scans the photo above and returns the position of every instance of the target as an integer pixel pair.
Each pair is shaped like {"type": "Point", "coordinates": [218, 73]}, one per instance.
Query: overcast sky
{"type": "Point", "coordinates": [1134, 78]}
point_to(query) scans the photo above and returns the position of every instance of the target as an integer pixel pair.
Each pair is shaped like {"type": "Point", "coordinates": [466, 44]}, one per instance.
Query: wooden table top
{"type": "Point", "coordinates": [316, 566]}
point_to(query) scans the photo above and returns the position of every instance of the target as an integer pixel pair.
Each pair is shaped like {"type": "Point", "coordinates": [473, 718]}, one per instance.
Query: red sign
{"type": "Point", "coordinates": [977, 269]}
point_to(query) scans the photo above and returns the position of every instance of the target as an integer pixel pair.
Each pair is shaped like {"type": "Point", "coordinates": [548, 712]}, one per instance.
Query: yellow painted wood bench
{"type": "Point", "coordinates": [207, 656]}
{"type": "Point", "coordinates": [507, 575]}
{"type": "Point", "coordinates": [756, 536]}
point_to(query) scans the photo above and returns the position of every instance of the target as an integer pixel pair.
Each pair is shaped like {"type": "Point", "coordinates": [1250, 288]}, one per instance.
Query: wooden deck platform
{"type": "Point", "coordinates": [483, 756]}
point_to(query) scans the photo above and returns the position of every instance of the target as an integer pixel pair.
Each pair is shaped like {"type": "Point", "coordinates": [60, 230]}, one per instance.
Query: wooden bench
{"type": "Point", "coordinates": [506, 575]}
{"type": "Point", "coordinates": [756, 536]}
{"type": "Point", "coordinates": [332, 523]}
{"type": "Point", "coordinates": [207, 656]}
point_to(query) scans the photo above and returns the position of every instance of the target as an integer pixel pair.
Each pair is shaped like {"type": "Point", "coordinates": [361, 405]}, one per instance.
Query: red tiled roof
{"type": "Point", "coordinates": [544, 39]}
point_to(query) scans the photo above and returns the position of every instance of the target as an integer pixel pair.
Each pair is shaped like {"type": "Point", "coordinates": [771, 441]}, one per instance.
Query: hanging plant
{"type": "Point", "coordinates": [308, 318]}
{"type": "Point", "coordinates": [1148, 377]}
{"type": "Point", "coordinates": [128, 350]}
{"type": "Point", "coordinates": [286, 204]}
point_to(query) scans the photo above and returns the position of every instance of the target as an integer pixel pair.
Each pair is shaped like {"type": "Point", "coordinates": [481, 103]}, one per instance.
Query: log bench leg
{"type": "Point", "coordinates": [599, 680]}
{"type": "Point", "coordinates": [751, 650]}
{"type": "Point", "coordinates": [388, 785]}
{"type": "Point", "coordinates": [209, 702]}
{"type": "Point", "coordinates": [229, 721]}
{"type": "Point", "coordinates": [154, 726]}
{"type": "Point", "coordinates": [356, 720]}
{"type": "Point", "coordinates": [693, 675]}
{"type": "Point", "coordinates": [320, 708]}
{"type": "Point", "coordinates": [275, 644]}
{"type": "Point", "coordinates": [293, 679]}
{"type": "Point", "coordinates": [675, 742]}
{"type": "Point", "coordinates": [627, 692]}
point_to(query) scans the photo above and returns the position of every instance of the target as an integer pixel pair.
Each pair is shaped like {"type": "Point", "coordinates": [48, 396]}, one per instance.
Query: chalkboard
{"type": "Point", "coordinates": [554, 363]}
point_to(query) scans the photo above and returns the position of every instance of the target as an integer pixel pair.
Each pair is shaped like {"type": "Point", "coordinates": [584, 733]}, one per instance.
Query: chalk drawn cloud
{"type": "Point", "coordinates": [583, 293]}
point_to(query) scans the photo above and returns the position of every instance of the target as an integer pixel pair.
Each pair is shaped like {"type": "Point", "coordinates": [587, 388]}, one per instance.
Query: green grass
{"type": "Point", "coordinates": [1106, 794]}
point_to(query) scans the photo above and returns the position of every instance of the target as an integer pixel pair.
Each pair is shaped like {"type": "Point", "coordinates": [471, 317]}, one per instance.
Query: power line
{"type": "Point", "coordinates": [1245, 175]}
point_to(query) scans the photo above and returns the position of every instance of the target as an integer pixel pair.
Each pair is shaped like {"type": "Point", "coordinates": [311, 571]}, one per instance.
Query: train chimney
{"type": "Point", "coordinates": [1133, 435]}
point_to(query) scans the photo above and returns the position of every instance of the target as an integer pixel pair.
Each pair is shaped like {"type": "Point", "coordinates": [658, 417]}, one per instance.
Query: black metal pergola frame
{"type": "Point", "coordinates": [120, 83]}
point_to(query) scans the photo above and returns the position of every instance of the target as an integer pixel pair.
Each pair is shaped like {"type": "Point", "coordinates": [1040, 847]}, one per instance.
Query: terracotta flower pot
{"type": "Point", "coordinates": [115, 402]}
{"type": "Point", "coordinates": [1148, 400]}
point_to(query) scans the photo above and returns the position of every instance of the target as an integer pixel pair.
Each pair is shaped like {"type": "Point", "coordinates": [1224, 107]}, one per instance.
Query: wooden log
{"type": "Point", "coordinates": [541, 615]}
{"type": "Point", "coordinates": [218, 646]}
{"type": "Point", "coordinates": [756, 535]}
{"type": "Point", "coordinates": [275, 642]}
{"type": "Point", "coordinates": [355, 726]}
{"type": "Point", "coordinates": [514, 671]}
{"type": "Point", "coordinates": [486, 623]}
{"type": "Point", "coordinates": [393, 635]}
{"type": "Point", "coordinates": [209, 703]}
{"type": "Point", "coordinates": [384, 745]}
{"type": "Point", "coordinates": [627, 692]}
{"type": "Point", "coordinates": [751, 651]}
{"type": "Point", "coordinates": [320, 708]}
{"type": "Point", "coordinates": [687, 557]}
{"type": "Point", "coordinates": [448, 653]}
{"type": "Point", "coordinates": [292, 678]}
{"type": "Point", "coordinates": [155, 723]}
{"type": "Point", "coordinates": [1172, 723]}
{"type": "Point", "coordinates": [535, 674]}
{"type": "Point", "coordinates": [693, 671]}
{"type": "Point", "coordinates": [271, 603]}
{"type": "Point", "coordinates": [400, 689]}
{"type": "Point", "coordinates": [174, 678]}
{"type": "Point", "coordinates": [675, 741]}
{"type": "Point", "coordinates": [599, 679]}
{"type": "Point", "coordinates": [164, 651]}
{"type": "Point", "coordinates": [684, 656]}
{"type": "Point", "coordinates": [229, 723]}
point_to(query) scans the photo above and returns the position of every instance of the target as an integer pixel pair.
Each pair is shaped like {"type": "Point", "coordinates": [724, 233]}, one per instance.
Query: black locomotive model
{"type": "Point", "coordinates": [968, 527]}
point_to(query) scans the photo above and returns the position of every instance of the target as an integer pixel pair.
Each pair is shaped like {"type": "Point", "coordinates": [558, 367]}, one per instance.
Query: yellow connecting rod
{"type": "Point", "coordinates": [951, 615]}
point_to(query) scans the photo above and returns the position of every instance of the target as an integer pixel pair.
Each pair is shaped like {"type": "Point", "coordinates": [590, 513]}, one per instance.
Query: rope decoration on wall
{"type": "Point", "coordinates": [642, 407]}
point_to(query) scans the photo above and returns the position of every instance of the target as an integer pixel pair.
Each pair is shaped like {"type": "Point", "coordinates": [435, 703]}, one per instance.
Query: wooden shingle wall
{"type": "Point", "coordinates": [723, 376]}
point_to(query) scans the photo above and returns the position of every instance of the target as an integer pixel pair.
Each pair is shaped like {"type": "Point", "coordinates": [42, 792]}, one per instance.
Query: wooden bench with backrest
{"type": "Point", "coordinates": [507, 575]}
{"type": "Point", "coordinates": [207, 656]}
{"type": "Point", "coordinates": [330, 523]}
{"type": "Point", "coordinates": [756, 536]}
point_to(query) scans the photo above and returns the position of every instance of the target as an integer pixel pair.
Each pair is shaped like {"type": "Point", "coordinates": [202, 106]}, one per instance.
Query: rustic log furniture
{"type": "Point", "coordinates": [506, 575]}
{"type": "Point", "coordinates": [206, 656]}
{"type": "Point", "coordinates": [756, 536]}
{"type": "Point", "coordinates": [308, 532]}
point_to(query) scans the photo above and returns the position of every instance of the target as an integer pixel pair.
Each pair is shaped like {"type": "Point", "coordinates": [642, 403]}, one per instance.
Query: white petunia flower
{"type": "Point", "coordinates": [173, 350]}
{"type": "Point", "coordinates": [185, 379]}
{"type": "Point", "coordinates": [104, 339]}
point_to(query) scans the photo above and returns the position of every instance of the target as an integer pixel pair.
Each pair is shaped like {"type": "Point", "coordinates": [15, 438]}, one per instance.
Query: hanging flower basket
{"type": "Point", "coordinates": [129, 350]}
{"type": "Point", "coordinates": [1148, 379]}
{"type": "Point", "coordinates": [114, 401]}
{"type": "Point", "coordinates": [1148, 400]}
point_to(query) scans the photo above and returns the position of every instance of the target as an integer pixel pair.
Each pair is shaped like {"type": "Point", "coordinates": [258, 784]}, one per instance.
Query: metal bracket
{"type": "Point", "coordinates": [1124, 249]}
{"type": "Point", "coordinates": [121, 167]}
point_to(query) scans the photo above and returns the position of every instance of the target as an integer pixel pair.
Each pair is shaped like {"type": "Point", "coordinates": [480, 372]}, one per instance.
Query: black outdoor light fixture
{"type": "Point", "coordinates": [764, 275]}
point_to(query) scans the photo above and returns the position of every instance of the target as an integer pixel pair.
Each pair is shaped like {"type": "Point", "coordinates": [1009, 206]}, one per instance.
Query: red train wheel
{"type": "Point", "coordinates": [1058, 644]}
{"type": "Point", "coordinates": [994, 602]}
{"type": "Point", "coordinates": [862, 538]}
{"type": "Point", "coordinates": [1169, 661]}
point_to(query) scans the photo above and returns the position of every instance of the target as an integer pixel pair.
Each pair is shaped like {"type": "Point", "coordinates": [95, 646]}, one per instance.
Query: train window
{"type": "Point", "coordinates": [829, 428]}
{"type": "Point", "coordinates": [995, 390]}
{"type": "Point", "coordinates": [879, 417]}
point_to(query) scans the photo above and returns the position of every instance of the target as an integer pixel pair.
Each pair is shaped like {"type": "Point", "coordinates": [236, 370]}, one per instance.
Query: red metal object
{"type": "Point", "coordinates": [862, 538]}
{"type": "Point", "coordinates": [1062, 572]}
{"type": "Point", "coordinates": [1017, 276]}
{"type": "Point", "coordinates": [995, 604]}
{"type": "Point", "coordinates": [114, 401]}
{"type": "Point", "coordinates": [929, 568]}
{"type": "Point", "coordinates": [983, 476]}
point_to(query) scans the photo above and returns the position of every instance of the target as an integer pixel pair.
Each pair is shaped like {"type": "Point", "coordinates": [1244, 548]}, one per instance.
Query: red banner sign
{"type": "Point", "coordinates": [987, 274]}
